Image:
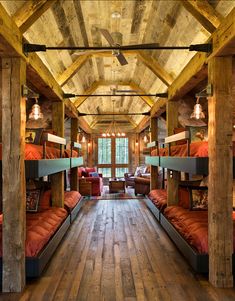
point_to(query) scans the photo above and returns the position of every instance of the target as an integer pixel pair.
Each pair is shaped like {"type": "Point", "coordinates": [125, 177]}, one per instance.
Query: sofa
{"type": "Point", "coordinates": [142, 185]}
{"type": "Point", "coordinates": [93, 178]}
{"type": "Point", "coordinates": [140, 171]}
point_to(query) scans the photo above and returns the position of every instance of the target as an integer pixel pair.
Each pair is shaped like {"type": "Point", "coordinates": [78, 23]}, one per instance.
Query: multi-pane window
{"type": "Point", "coordinates": [106, 172]}
{"type": "Point", "coordinates": [121, 151]}
{"type": "Point", "coordinates": [104, 150]}
{"type": "Point", "coordinates": [119, 171]}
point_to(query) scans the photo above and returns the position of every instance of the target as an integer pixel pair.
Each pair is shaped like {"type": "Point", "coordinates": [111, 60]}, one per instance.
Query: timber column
{"type": "Point", "coordinates": [57, 180]}
{"type": "Point", "coordinates": [173, 177]}
{"type": "Point", "coordinates": [74, 171]}
{"type": "Point", "coordinates": [220, 200]}
{"type": "Point", "coordinates": [13, 174]}
{"type": "Point", "coordinates": [154, 169]}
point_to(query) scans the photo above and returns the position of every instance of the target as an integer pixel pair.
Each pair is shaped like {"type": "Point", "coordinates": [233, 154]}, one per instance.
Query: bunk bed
{"type": "Point", "coordinates": [46, 228]}
{"type": "Point", "coordinates": [189, 157]}
{"type": "Point", "coordinates": [188, 229]}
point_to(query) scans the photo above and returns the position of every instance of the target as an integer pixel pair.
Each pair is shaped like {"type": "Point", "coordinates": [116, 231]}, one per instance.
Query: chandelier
{"type": "Point", "coordinates": [36, 111]}
{"type": "Point", "coordinates": [113, 129]}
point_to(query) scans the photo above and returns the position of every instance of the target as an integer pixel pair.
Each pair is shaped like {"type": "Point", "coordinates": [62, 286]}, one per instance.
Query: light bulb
{"type": "Point", "coordinates": [36, 112]}
{"type": "Point", "coordinates": [123, 134]}
{"type": "Point", "coordinates": [108, 135]}
{"type": "Point", "coordinates": [145, 138]}
{"type": "Point", "coordinates": [83, 139]}
{"type": "Point", "coordinates": [197, 112]}
{"type": "Point", "coordinates": [113, 134]}
{"type": "Point", "coordinates": [118, 134]}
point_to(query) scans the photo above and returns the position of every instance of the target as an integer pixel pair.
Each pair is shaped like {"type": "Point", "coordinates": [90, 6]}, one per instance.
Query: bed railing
{"type": "Point", "coordinates": [77, 146]}
{"type": "Point", "coordinates": [178, 137]}
{"type": "Point", "coordinates": [54, 139]}
{"type": "Point", "coordinates": [155, 144]}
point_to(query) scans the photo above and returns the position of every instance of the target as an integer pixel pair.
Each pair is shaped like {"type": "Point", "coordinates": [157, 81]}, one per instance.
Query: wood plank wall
{"type": "Point", "coordinates": [154, 169]}
{"type": "Point", "coordinates": [173, 176]}
{"type": "Point", "coordinates": [57, 180]}
{"type": "Point", "coordinates": [13, 174]}
{"type": "Point", "coordinates": [221, 172]}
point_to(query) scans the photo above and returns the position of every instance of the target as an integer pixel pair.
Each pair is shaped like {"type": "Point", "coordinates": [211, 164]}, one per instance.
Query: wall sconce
{"type": "Point", "coordinates": [197, 110]}
{"type": "Point", "coordinates": [83, 140]}
{"type": "Point", "coordinates": [36, 111]}
{"type": "Point", "coordinates": [136, 142]}
{"type": "Point", "coordinates": [145, 138]}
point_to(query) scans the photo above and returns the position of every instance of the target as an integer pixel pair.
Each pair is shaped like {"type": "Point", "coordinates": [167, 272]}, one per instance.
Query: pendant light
{"type": "Point", "coordinates": [197, 111]}
{"type": "Point", "coordinates": [36, 111]}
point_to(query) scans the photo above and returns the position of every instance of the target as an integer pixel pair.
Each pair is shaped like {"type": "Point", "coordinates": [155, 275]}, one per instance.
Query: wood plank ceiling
{"type": "Point", "coordinates": [77, 23]}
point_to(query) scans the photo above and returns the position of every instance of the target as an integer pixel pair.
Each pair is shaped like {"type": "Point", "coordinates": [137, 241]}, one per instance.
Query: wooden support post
{"type": "Point", "coordinates": [74, 171]}
{"type": "Point", "coordinates": [57, 180]}
{"type": "Point", "coordinates": [173, 177]}
{"type": "Point", "coordinates": [13, 174]}
{"type": "Point", "coordinates": [137, 149]}
{"type": "Point", "coordinates": [220, 172]}
{"type": "Point", "coordinates": [154, 169]}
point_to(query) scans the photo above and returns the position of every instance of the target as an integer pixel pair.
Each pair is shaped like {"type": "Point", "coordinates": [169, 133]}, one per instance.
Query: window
{"type": "Point", "coordinates": [122, 151]}
{"type": "Point", "coordinates": [106, 172]}
{"type": "Point", "coordinates": [104, 150]}
{"type": "Point", "coordinates": [113, 156]}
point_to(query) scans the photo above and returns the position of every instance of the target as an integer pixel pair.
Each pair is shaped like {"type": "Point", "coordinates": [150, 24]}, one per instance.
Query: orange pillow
{"type": "Point", "coordinates": [45, 200]}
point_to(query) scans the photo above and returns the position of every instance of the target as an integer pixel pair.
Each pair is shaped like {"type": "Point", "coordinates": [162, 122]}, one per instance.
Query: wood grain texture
{"type": "Point", "coordinates": [206, 15]}
{"type": "Point", "coordinates": [154, 169]}
{"type": "Point", "coordinates": [115, 250]}
{"type": "Point", "coordinates": [29, 12]}
{"type": "Point", "coordinates": [57, 180]}
{"type": "Point", "coordinates": [173, 177]}
{"type": "Point", "coordinates": [221, 173]}
{"type": "Point", "coordinates": [74, 171]}
{"type": "Point", "coordinates": [13, 174]}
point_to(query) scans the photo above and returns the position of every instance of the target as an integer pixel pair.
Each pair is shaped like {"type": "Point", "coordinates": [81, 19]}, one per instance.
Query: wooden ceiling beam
{"type": "Point", "coordinates": [156, 68]}
{"type": "Point", "coordinates": [72, 70]}
{"type": "Point", "coordinates": [159, 107]}
{"type": "Point", "coordinates": [205, 14]}
{"type": "Point", "coordinates": [223, 41]}
{"type": "Point", "coordinates": [147, 99]}
{"type": "Point", "coordinates": [30, 12]}
{"type": "Point", "coordinates": [89, 91]}
{"type": "Point", "coordinates": [143, 124]}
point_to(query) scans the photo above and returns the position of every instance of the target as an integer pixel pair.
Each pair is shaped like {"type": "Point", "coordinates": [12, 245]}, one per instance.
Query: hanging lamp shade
{"type": "Point", "coordinates": [36, 111]}
{"type": "Point", "coordinates": [197, 111]}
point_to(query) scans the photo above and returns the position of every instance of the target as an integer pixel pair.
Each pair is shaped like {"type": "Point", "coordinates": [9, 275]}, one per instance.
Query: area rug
{"type": "Point", "coordinates": [129, 194]}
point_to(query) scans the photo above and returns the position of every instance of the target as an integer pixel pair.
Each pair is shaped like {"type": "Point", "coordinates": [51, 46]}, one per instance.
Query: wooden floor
{"type": "Point", "coordinates": [115, 250]}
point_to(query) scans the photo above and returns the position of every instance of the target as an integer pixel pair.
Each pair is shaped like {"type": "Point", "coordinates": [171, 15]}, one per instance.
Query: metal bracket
{"type": "Point", "coordinates": [208, 91]}
{"type": "Point", "coordinates": [163, 95]}
{"type": "Point", "coordinates": [28, 93]}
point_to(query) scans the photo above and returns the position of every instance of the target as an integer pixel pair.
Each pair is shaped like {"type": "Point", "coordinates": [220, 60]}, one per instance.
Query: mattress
{"type": "Point", "coordinates": [158, 198]}
{"type": "Point", "coordinates": [35, 152]}
{"type": "Point", "coordinates": [193, 226]}
{"type": "Point", "coordinates": [197, 149]}
{"type": "Point", "coordinates": [40, 227]}
{"type": "Point", "coordinates": [71, 198]}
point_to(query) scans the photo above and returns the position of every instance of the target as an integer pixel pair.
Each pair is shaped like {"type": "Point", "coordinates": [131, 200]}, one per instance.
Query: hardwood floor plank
{"type": "Point", "coordinates": [116, 251]}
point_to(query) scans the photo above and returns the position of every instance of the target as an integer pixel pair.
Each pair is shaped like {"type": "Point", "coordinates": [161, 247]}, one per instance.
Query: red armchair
{"type": "Point", "coordinates": [95, 180]}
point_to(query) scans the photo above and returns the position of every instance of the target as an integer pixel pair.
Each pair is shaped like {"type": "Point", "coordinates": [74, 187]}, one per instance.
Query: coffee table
{"type": "Point", "coordinates": [116, 185]}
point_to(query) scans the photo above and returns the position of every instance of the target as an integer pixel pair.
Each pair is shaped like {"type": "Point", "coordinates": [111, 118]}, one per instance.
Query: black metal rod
{"type": "Point", "coordinates": [136, 47]}
{"type": "Point", "coordinates": [115, 114]}
{"type": "Point", "coordinates": [68, 95]}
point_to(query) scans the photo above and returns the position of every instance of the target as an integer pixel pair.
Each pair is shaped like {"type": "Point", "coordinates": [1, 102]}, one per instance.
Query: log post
{"type": "Point", "coordinates": [13, 174]}
{"type": "Point", "coordinates": [220, 173]}
{"type": "Point", "coordinates": [173, 177]}
{"type": "Point", "coordinates": [154, 169]}
{"type": "Point", "coordinates": [57, 180]}
{"type": "Point", "coordinates": [74, 171]}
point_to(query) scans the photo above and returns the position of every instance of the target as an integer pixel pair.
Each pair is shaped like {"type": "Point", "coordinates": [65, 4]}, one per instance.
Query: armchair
{"type": "Point", "coordinates": [130, 177]}
{"type": "Point", "coordinates": [92, 178]}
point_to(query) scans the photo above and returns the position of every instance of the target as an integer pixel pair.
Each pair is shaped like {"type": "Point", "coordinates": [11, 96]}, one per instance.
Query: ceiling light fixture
{"type": "Point", "coordinates": [197, 111]}
{"type": "Point", "coordinates": [116, 15]}
{"type": "Point", "coordinates": [113, 129]}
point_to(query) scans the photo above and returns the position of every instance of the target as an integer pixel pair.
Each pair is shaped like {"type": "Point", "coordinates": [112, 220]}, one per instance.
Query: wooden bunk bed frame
{"type": "Point", "coordinates": [194, 165]}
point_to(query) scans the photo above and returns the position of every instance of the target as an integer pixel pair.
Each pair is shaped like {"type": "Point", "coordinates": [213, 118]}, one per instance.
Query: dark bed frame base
{"type": "Point", "coordinates": [76, 209]}
{"type": "Point", "coordinates": [199, 262]}
{"type": "Point", "coordinates": [192, 165]}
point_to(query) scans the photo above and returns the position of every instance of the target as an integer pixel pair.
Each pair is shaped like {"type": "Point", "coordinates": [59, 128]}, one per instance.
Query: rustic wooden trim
{"type": "Point", "coordinates": [30, 12]}
{"type": "Point", "coordinates": [205, 14]}
{"type": "Point", "coordinates": [90, 90]}
{"type": "Point", "coordinates": [72, 70]}
{"type": "Point", "coordinates": [74, 171]}
{"type": "Point", "coordinates": [173, 176]}
{"type": "Point", "coordinates": [155, 67]}
{"type": "Point", "coordinates": [53, 138]}
{"type": "Point", "coordinates": [152, 144]}
{"type": "Point", "coordinates": [154, 169]}
{"type": "Point", "coordinates": [13, 174]}
{"type": "Point", "coordinates": [177, 137]}
{"type": "Point", "coordinates": [220, 233]}
{"type": "Point", "coordinates": [57, 180]}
